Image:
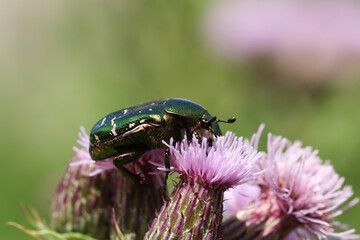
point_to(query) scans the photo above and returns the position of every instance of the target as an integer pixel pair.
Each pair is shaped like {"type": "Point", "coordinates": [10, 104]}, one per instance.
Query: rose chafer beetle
{"type": "Point", "coordinates": [129, 133]}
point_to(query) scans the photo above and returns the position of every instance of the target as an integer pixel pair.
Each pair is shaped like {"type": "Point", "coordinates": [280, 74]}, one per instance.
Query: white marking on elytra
{"type": "Point", "coordinates": [131, 125]}
{"type": "Point", "coordinates": [150, 109]}
{"type": "Point", "coordinates": [113, 130]}
{"type": "Point", "coordinates": [102, 122]}
{"type": "Point", "coordinates": [125, 111]}
{"type": "Point", "coordinates": [152, 104]}
{"type": "Point", "coordinates": [142, 120]}
{"type": "Point", "coordinates": [97, 138]}
{"type": "Point", "coordinates": [112, 121]}
{"type": "Point", "coordinates": [139, 111]}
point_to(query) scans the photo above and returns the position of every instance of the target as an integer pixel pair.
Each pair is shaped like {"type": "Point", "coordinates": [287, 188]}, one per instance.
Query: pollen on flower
{"type": "Point", "coordinates": [227, 161]}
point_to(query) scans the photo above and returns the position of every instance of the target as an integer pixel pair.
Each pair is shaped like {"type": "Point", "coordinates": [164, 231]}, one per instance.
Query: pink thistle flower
{"type": "Point", "coordinates": [194, 210]}
{"type": "Point", "coordinates": [306, 188]}
{"type": "Point", "coordinates": [227, 162]}
{"type": "Point", "coordinates": [300, 194]}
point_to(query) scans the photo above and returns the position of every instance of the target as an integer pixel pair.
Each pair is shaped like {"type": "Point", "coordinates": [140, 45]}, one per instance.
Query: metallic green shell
{"type": "Point", "coordinates": [184, 108]}
{"type": "Point", "coordinates": [144, 126]}
{"type": "Point", "coordinates": [119, 122]}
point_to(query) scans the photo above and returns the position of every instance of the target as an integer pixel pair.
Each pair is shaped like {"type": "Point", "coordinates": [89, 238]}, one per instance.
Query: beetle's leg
{"type": "Point", "coordinates": [167, 166]}
{"type": "Point", "coordinates": [121, 160]}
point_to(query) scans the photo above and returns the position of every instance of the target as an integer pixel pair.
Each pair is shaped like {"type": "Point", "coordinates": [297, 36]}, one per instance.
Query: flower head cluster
{"type": "Point", "coordinates": [227, 161]}
{"type": "Point", "coordinates": [286, 193]}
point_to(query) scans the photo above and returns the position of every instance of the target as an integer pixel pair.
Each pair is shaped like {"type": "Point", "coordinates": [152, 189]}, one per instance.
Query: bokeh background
{"type": "Point", "coordinates": [67, 63]}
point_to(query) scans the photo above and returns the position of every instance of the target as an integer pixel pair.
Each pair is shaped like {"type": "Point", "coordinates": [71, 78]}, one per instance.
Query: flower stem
{"type": "Point", "coordinates": [194, 211]}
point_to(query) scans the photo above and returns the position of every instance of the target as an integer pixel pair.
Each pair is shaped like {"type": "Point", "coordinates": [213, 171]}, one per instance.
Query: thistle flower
{"type": "Point", "coordinates": [194, 210]}
{"type": "Point", "coordinates": [90, 191]}
{"type": "Point", "coordinates": [300, 195]}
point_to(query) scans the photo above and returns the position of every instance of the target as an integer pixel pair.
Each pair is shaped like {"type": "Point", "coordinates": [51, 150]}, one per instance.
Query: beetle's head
{"type": "Point", "coordinates": [209, 126]}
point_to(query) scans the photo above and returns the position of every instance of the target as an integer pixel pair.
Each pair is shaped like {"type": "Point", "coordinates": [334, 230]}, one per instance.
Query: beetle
{"type": "Point", "coordinates": [129, 133]}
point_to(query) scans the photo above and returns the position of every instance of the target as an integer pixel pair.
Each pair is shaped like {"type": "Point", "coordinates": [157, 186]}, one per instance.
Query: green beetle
{"type": "Point", "coordinates": [129, 133]}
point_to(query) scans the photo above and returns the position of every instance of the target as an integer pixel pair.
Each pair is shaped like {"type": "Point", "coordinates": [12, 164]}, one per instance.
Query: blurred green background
{"type": "Point", "coordinates": [67, 63]}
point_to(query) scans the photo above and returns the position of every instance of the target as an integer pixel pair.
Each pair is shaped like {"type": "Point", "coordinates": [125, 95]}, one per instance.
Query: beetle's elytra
{"type": "Point", "coordinates": [129, 133]}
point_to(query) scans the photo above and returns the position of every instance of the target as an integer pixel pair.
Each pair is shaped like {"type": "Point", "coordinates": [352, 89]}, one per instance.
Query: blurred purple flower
{"type": "Point", "coordinates": [299, 194]}
{"type": "Point", "coordinates": [313, 37]}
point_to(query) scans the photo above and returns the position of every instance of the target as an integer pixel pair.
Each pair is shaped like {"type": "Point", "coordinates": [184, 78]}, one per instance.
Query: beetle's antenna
{"type": "Point", "coordinates": [230, 120]}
